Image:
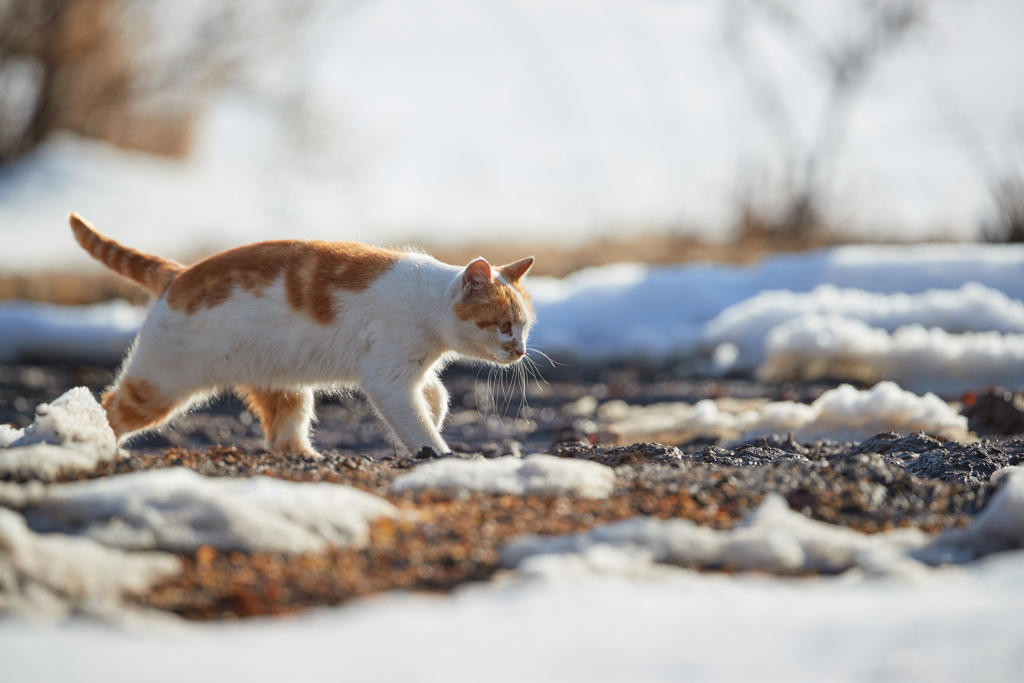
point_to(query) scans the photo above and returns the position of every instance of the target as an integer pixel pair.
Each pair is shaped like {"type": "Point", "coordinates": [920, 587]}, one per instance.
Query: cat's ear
{"type": "Point", "coordinates": [513, 272]}
{"type": "Point", "coordinates": [477, 275]}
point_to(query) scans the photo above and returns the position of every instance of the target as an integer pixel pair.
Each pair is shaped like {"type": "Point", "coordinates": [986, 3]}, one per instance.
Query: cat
{"type": "Point", "coordinates": [279, 320]}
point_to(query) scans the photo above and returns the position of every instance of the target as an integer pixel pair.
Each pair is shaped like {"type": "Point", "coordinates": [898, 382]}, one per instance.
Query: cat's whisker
{"type": "Point", "coordinates": [554, 363]}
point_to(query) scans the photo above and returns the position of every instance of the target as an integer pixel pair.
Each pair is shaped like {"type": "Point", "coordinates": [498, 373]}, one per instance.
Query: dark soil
{"type": "Point", "coordinates": [884, 482]}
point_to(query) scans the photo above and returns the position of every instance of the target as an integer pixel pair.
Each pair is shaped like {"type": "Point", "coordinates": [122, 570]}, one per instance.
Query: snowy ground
{"type": "Point", "coordinates": [574, 626]}
{"type": "Point", "coordinates": [470, 120]}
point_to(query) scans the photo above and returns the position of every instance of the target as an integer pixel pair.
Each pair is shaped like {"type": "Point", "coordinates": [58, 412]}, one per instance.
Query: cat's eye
{"type": "Point", "coordinates": [505, 326]}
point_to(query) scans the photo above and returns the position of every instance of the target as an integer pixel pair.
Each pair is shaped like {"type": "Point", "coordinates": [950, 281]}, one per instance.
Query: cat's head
{"type": "Point", "coordinates": [492, 311]}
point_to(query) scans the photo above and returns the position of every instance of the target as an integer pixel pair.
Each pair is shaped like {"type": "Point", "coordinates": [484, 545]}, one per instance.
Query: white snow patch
{"type": "Point", "coordinates": [99, 333]}
{"type": "Point", "coordinates": [537, 474]}
{"type": "Point", "coordinates": [842, 414]}
{"type": "Point", "coordinates": [70, 434]}
{"type": "Point", "coordinates": [180, 510]}
{"type": "Point", "coordinates": [771, 538]}
{"type": "Point", "coordinates": [970, 308]}
{"type": "Point", "coordinates": [54, 575]}
{"type": "Point", "coordinates": [813, 346]}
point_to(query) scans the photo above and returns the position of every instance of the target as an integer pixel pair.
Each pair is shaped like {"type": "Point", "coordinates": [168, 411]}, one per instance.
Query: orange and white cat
{"type": "Point", "coordinates": [279, 320]}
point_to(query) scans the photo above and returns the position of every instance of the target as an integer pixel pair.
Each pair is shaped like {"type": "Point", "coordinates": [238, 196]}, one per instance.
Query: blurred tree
{"type": "Point", "coordinates": [843, 63]}
{"type": "Point", "coordinates": [135, 73]}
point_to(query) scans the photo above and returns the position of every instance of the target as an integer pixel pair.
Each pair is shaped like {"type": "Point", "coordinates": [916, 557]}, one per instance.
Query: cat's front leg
{"type": "Point", "coordinates": [437, 399]}
{"type": "Point", "coordinates": [404, 407]}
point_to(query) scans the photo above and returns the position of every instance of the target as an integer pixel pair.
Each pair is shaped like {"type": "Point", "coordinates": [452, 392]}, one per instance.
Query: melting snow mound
{"type": "Point", "coordinates": [771, 538]}
{"type": "Point", "coordinates": [971, 308]}
{"type": "Point", "coordinates": [774, 538]}
{"type": "Point", "coordinates": [70, 434]}
{"type": "Point", "coordinates": [842, 414]}
{"type": "Point", "coordinates": [537, 474]}
{"type": "Point", "coordinates": [813, 346]}
{"type": "Point", "coordinates": [56, 575]}
{"type": "Point", "coordinates": [180, 510]}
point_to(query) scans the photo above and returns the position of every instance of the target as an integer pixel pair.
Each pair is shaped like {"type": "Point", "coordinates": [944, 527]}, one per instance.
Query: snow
{"type": "Point", "coordinates": [775, 538]}
{"type": "Point", "coordinates": [537, 474]}
{"type": "Point", "coordinates": [680, 625]}
{"type": "Point", "coordinates": [771, 538]}
{"type": "Point", "coordinates": [843, 414]}
{"type": "Point", "coordinates": [970, 308]}
{"type": "Point", "coordinates": [98, 334]}
{"type": "Point", "coordinates": [813, 346]}
{"type": "Point", "coordinates": [667, 311]}
{"type": "Point", "coordinates": [179, 510]}
{"type": "Point", "coordinates": [70, 434]}
{"type": "Point", "coordinates": [54, 575]}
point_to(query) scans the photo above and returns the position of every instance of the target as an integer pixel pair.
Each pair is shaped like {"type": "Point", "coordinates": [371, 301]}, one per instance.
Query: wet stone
{"type": "Point", "coordinates": [968, 463]}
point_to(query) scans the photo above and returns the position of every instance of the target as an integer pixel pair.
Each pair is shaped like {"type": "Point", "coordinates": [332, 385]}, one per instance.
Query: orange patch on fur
{"type": "Point", "coordinates": [134, 404]}
{"type": "Point", "coordinates": [492, 304]}
{"type": "Point", "coordinates": [275, 410]}
{"type": "Point", "coordinates": [313, 272]}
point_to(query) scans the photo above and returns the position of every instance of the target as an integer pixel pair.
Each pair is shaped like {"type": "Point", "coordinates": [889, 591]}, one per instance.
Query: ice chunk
{"type": "Point", "coordinates": [178, 509]}
{"type": "Point", "coordinates": [843, 413]}
{"type": "Point", "coordinates": [813, 346]}
{"type": "Point", "coordinates": [536, 474]}
{"type": "Point", "coordinates": [771, 538]}
{"type": "Point", "coordinates": [56, 575]}
{"type": "Point", "coordinates": [70, 434]}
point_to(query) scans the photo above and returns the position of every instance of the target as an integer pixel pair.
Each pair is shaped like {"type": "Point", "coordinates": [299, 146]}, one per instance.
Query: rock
{"type": "Point", "coordinates": [996, 412]}
{"type": "Point", "coordinates": [969, 463]}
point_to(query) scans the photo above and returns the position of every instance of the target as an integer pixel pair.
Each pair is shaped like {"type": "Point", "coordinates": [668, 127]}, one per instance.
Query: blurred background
{"type": "Point", "coordinates": [587, 131]}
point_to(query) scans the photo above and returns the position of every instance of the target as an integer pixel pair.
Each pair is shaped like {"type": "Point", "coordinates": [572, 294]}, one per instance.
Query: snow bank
{"type": "Point", "coordinates": [662, 311]}
{"type": "Point", "coordinates": [52, 574]}
{"type": "Point", "coordinates": [537, 474]}
{"type": "Point", "coordinates": [695, 627]}
{"type": "Point", "coordinates": [180, 510]}
{"type": "Point", "coordinates": [842, 414]}
{"type": "Point", "coordinates": [772, 538]}
{"type": "Point", "coordinates": [971, 308]}
{"type": "Point", "coordinates": [70, 434]}
{"type": "Point", "coordinates": [98, 334]}
{"type": "Point", "coordinates": [812, 346]}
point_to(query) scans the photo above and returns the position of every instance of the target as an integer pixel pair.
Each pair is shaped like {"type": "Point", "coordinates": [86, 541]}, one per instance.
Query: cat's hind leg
{"type": "Point", "coordinates": [285, 415]}
{"type": "Point", "coordinates": [437, 399]}
{"type": "Point", "coordinates": [134, 404]}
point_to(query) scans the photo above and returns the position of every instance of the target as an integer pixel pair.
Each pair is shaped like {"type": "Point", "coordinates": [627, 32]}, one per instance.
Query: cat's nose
{"type": "Point", "coordinates": [520, 353]}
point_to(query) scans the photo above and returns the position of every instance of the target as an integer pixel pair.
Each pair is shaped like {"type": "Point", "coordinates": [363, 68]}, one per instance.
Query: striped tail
{"type": "Point", "coordinates": [152, 272]}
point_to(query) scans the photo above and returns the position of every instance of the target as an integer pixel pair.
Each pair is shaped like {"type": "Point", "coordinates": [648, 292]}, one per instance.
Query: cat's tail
{"type": "Point", "coordinates": [152, 272]}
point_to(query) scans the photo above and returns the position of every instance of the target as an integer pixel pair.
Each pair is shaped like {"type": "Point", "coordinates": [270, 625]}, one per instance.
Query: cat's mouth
{"type": "Point", "coordinates": [507, 357]}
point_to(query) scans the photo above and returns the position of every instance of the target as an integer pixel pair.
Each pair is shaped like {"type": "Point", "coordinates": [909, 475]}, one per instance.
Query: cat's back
{"type": "Point", "coordinates": [306, 275]}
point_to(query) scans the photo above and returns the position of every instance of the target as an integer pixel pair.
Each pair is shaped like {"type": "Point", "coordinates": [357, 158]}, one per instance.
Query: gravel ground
{"type": "Point", "coordinates": [882, 483]}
